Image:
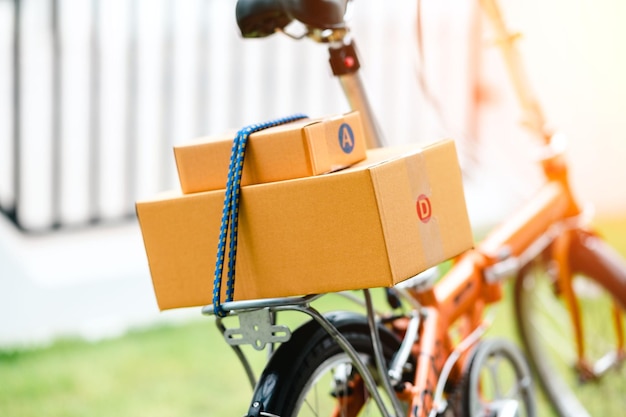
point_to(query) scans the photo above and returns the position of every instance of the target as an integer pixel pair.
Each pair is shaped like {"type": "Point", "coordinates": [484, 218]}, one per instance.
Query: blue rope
{"type": "Point", "coordinates": [230, 213]}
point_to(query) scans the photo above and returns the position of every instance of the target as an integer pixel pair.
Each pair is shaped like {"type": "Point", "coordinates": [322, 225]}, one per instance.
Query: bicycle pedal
{"type": "Point", "coordinates": [256, 329]}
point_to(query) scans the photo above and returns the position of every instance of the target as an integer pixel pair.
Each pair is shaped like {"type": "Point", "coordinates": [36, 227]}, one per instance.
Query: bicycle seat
{"type": "Point", "coordinates": [260, 18]}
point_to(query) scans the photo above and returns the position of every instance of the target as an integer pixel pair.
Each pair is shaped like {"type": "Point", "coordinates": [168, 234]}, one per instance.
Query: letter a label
{"type": "Point", "coordinates": [346, 138]}
{"type": "Point", "coordinates": [424, 210]}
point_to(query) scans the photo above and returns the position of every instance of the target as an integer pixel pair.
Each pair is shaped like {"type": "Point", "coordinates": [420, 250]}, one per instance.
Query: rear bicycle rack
{"type": "Point", "coordinates": [257, 328]}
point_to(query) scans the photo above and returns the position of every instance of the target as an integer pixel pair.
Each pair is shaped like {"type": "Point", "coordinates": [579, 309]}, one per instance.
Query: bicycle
{"type": "Point", "coordinates": [426, 356]}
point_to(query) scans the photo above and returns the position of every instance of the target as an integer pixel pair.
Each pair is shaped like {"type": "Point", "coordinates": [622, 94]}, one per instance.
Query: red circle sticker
{"type": "Point", "coordinates": [424, 210]}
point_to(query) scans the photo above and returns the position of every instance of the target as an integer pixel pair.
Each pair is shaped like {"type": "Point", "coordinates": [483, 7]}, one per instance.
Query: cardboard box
{"type": "Point", "coordinates": [298, 149]}
{"type": "Point", "coordinates": [374, 224]}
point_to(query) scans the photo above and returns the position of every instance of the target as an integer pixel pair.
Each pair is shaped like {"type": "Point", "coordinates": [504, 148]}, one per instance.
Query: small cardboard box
{"type": "Point", "coordinates": [375, 224]}
{"type": "Point", "coordinates": [298, 149]}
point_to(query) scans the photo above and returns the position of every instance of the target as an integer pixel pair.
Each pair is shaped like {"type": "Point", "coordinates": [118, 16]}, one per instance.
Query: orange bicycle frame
{"type": "Point", "coordinates": [547, 222]}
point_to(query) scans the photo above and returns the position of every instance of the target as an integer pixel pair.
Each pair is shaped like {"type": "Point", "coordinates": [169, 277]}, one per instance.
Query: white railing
{"type": "Point", "coordinates": [93, 94]}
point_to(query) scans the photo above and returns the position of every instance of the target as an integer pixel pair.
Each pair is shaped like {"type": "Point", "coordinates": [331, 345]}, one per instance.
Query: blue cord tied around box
{"type": "Point", "coordinates": [230, 213]}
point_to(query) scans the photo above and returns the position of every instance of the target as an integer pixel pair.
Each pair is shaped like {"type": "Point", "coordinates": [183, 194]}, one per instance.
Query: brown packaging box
{"type": "Point", "coordinates": [294, 150]}
{"type": "Point", "coordinates": [375, 224]}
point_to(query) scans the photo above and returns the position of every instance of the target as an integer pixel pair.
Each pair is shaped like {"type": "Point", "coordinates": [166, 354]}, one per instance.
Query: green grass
{"type": "Point", "coordinates": [182, 370]}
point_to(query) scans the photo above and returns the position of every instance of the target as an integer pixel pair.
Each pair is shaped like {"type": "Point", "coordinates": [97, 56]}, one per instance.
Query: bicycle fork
{"type": "Point", "coordinates": [566, 249]}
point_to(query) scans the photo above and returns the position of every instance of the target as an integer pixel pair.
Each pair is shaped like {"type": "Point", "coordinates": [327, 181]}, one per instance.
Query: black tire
{"type": "Point", "coordinates": [546, 329]}
{"type": "Point", "coordinates": [497, 381]}
{"type": "Point", "coordinates": [298, 364]}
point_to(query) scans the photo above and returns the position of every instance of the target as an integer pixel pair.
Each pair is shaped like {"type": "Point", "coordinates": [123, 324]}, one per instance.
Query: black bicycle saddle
{"type": "Point", "coordinates": [259, 18]}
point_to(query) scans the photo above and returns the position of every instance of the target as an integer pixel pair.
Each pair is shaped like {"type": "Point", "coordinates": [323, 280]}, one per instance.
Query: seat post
{"type": "Point", "coordinates": [345, 65]}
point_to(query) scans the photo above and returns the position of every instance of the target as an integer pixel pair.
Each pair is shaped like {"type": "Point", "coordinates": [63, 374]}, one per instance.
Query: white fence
{"type": "Point", "coordinates": [93, 94]}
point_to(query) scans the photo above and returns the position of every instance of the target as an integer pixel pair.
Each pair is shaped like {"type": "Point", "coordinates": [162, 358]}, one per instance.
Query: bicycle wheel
{"type": "Point", "coordinates": [497, 382]}
{"type": "Point", "coordinates": [310, 375]}
{"type": "Point", "coordinates": [544, 323]}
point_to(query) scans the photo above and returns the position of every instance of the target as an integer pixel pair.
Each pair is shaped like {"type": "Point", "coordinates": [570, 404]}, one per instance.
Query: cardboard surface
{"type": "Point", "coordinates": [295, 150]}
{"type": "Point", "coordinates": [371, 225]}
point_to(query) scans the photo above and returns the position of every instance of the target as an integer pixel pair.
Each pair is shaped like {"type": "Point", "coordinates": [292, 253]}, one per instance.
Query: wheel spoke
{"type": "Point", "coordinates": [499, 381]}
{"type": "Point", "coordinates": [548, 334]}
{"type": "Point", "coordinates": [313, 408]}
{"type": "Point", "coordinates": [553, 316]}
{"type": "Point", "coordinates": [493, 367]}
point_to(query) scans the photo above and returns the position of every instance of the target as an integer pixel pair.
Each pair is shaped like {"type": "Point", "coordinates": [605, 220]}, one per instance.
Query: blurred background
{"type": "Point", "coordinates": [94, 94]}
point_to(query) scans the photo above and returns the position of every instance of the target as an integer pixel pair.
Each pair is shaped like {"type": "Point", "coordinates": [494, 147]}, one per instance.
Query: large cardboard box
{"type": "Point", "coordinates": [298, 149]}
{"type": "Point", "coordinates": [375, 224]}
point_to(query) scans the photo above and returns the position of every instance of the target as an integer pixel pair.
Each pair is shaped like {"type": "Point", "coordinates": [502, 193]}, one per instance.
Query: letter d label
{"type": "Point", "coordinates": [424, 209]}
